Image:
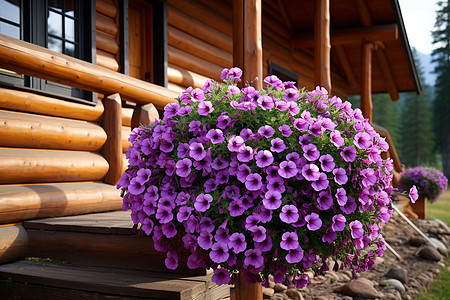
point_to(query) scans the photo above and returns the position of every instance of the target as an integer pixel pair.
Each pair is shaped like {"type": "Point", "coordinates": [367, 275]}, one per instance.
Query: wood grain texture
{"type": "Point", "coordinates": [253, 42]}
{"type": "Point", "coordinates": [246, 291]}
{"type": "Point", "coordinates": [27, 165]}
{"type": "Point", "coordinates": [322, 46]}
{"type": "Point", "coordinates": [33, 103]}
{"type": "Point", "coordinates": [106, 7]}
{"type": "Point", "coordinates": [13, 243]}
{"type": "Point", "coordinates": [185, 77]}
{"type": "Point", "coordinates": [25, 130]}
{"type": "Point", "coordinates": [125, 135]}
{"type": "Point", "coordinates": [22, 202]}
{"type": "Point", "coordinates": [145, 115]}
{"type": "Point", "coordinates": [106, 42]}
{"type": "Point", "coordinates": [107, 60]}
{"type": "Point", "coordinates": [366, 80]}
{"type": "Point", "coordinates": [29, 59]}
{"type": "Point", "coordinates": [106, 24]}
{"type": "Point", "coordinates": [112, 149]}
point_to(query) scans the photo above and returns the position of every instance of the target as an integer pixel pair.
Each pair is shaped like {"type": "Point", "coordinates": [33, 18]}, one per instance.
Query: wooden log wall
{"type": "Point", "coordinates": [107, 34]}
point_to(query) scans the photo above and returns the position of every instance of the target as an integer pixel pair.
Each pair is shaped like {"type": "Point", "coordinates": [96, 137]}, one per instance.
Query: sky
{"type": "Point", "coordinates": [419, 17]}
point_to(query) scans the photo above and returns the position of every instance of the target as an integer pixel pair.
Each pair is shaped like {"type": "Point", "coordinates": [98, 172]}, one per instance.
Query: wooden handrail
{"type": "Point", "coordinates": [392, 152]}
{"type": "Point", "coordinates": [33, 60]}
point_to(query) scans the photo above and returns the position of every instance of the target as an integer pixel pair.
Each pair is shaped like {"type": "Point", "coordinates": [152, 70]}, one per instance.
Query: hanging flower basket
{"type": "Point", "coordinates": [430, 182]}
{"type": "Point", "coordinates": [274, 181]}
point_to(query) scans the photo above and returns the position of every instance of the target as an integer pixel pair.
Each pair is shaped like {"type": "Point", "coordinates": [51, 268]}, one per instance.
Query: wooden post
{"type": "Point", "coordinates": [366, 80]}
{"type": "Point", "coordinates": [112, 150]}
{"type": "Point", "coordinates": [322, 45]}
{"type": "Point", "coordinates": [244, 291]}
{"type": "Point", "coordinates": [144, 114]}
{"type": "Point", "coordinates": [247, 39]}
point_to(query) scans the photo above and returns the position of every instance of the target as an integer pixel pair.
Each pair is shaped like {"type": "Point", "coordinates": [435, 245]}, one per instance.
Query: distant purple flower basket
{"type": "Point", "coordinates": [430, 182]}
{"type": "Point", "coordinates": [275, 181]}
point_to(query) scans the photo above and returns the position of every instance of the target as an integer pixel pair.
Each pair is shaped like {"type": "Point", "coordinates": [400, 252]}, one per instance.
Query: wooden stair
{"type": "Point", "coordinates": [97, 256]}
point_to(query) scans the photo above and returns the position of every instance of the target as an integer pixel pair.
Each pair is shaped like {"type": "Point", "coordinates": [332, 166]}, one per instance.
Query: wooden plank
{"type": "Point", "coordinates": [26, 165]}
{"type": "Point", "coordinates": [366, 80]}
{"type": "Point", "coordinates": [184, 22]}
{"type": "Point", "coordinates": [13, 243]}
{"type": "Point", "coordinates": [25, 130]}
{"type": "Point", "coordinates": [322, 46]}
{"type": "Point", "coordinates": [106, 42]}
{"type": "Point", "coordinates": [106, 24]}
{"type": "Point", "coordinates": [185, 77]}
{"type": "Point", "coordinates": [103, 280]}
{"type": "Point", "coordinates": [112, 149]}
{"type": "Point", "coordinates": [29, 59]}
{"type": "Point", "coordinates": [106, 7]}
{"type": "Point", "coordinates": [107, 60]}
{"type": "Point", "coordinates": [145, 115]}
{"type": "Point", "coordinates": [34, 103]}
{"type": "Point", "coordinates": [198, 48]}
{"type": "Point", "coordinates": [22, 202]}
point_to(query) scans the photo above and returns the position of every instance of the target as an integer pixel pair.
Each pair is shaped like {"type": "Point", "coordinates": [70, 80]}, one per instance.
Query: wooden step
{"type": "Point", "coordinates": [44, 280]}
{"type": "Point", "coordinates": [101, 239]}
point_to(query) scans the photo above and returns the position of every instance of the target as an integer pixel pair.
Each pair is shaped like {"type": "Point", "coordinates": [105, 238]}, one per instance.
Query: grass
{"type": "Point", "coordinates": [440, 287]}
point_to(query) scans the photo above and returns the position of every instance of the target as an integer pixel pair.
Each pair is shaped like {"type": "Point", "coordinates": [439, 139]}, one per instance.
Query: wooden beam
{"type": "Point", "coordinates": [349, 36]}
{"type": "Point", "coordinates": [387, 73]}
{"type": "Point", "coordinates": [112, 150]}
{"type": "Point", "coordinates": [238, 33]}
{"type": "Point", "coordinates": [366, 80]}
{"type": "Point", "coordinates": [346, 66]}
{"type": "Point", "coordinates": [13, 243]}
{"type": "Point", "coordinates": [144, 114]}
{"type": "Point", "coordinates": [185, 77]}
{"type": "Point", "coordinates": [245, 291]}
{"type": "Point", "coordinates": [364, 13]}
{"type": "Point", "coordinates": [322, 46]}
{"type": "Point", "coordinates": [33, 60]}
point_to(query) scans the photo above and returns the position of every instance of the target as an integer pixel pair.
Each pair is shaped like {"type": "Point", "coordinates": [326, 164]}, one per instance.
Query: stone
{"type": "Point", "coordinates": [429, 253]}
{"type": "Point", "coordinates": [399, 274]}
{"type": "Point", "coordinates": [424, 280]}
{"type": "Point", "coordinates": [332, 275]}
{"type": "Point", "coordinates": [344, 277]}
{"type": "Point", "coordinates": [442, 224]}
{"type": "Point", "coordinates": [366, 281]}
{"type": "Point", "coordinates": [379, 260]}
{"type": "Point", "coordinates": [294, 294]}
{"type": "Point", "coordinates": [417, 241]}
{"type": "Point", "coordinates": [279, 287]}
{"type": "Point", "coordinates": [439, 246]}
{"type": "Point", "coordinates": [279, 296]}
{"type": "Point", "coordinates": [393, 283]}
{"type": "Point", "coordinates": [358, 288]}
{"type": "Point", "coordinates": [348, 273]}
{"type": "Point", "coordinates": [268, 292]}
{"type": "Point", "coordinates": [329, 297]}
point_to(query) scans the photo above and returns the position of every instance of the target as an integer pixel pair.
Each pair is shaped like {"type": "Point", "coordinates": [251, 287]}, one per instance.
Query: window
{"type": "Point", "coordinates": [63, 26]}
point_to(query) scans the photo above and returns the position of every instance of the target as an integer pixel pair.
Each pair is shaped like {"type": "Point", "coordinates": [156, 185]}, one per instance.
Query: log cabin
{"type": "Point", "coordinates": [76, 77]}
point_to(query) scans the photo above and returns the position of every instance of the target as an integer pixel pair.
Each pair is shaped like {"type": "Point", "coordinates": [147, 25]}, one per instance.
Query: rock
{"type": "Point", "coordinates": [417, 241]}
{"type": "Point", "coordinates": [379, 260]}
{"type": "Point", "coordinates": [399, 274]}
{"type": "Point", "coordinates": [348, 273]}
{"type": "Point", "coordinates": [439, 246]}
{"type": "Point", "coordinates": [429, 253]}
{"type": "Point", "coordinates": [279, 296]}
{"type": "Point", "coordinates": [366, 281]}
{"type": "Point", "coordinates": [332, 275]}
{"type": "Point", "coordinates": [358, 288]}
{"type": "Point", "coordinates": [424, 280]}
{"type": "Point", "coordinates": [268, 292]}
{"type": "Point", "coordinates": [344, 277]}
{"type": "Point", "coordinates": [392, 294]}
{"type": "Point", "coordinates": [279, 287]}
{"type": "Point", "coordinates": [329, 297]}
{"type": "Point", "coordinates": [294, 294]}
{"type": "Point", "coordinates": [442, 224]}
{"type": "Point", "coordinates": [393, 283]}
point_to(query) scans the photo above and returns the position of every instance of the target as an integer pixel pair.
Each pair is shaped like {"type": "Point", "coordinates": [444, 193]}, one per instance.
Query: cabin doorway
{"type": "Point", "coordinates": [140, 40]}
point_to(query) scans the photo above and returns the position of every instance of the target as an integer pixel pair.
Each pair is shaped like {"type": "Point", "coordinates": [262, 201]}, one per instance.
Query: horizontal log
{"type": "Point", "coordinates": [125, 135]}
{"type": "Point", "coordinates": [22, 202]}
{"type": "Point", "coordinates": [204, 15]}
{"type": "Point", "coordinates": [29, 166]}
{"type": "Point", "coordinates": [175, 87]}
{"type": "Point", "coordinates": [184, 77]}
{"type": "Point", "coordinates": [106, 24]}
{"type": "Point", "coordinates": [195, 64]}
{"type": "Point", "coordinates": [13, 243]}
{"type": "Point", "coordinates": [107, 60]}
{"type": "Point", "coordinates": [29, 102]}
{"type": "Point", "coordinates": [198, 48]}
{"type": "Point", "coordinates": [186, 23]}
{"type": "Point", "coordinates": [125, 163]}
{"type": "Point", "coordinates": [106, 42]}
{"type": "Point", "coordinates": [25, 130]}
{"type": "Point", "coordinates": [106, 7]}
{"type": "Point", "coordinates": [32, 60]}
{"type": "Point", "coordinates": [349, 36]}
{"type": "Point", "coordinates": [126, 116]}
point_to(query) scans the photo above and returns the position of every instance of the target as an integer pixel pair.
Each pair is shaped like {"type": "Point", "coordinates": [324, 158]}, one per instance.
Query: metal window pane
{"type": "Point", "coordinates": [55, 24]}
{"type": "Point", "coordinates": [10, 10]}
{"type": "Point", "coordinates": [10, 30]}
{"type": "Point", "coordinates": [69, 49]}
{"type": "Point", "coordinates": [55, 44]}
{"type": "Point", "coordinates": [69, 29]}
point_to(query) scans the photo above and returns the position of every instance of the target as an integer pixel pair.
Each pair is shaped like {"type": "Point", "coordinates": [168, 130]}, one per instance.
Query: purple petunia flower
{"type": "Point", "coordinates": [198, 95]}
{"type": "Point", "coordinates": [215, 135]}
{"type": "Point", "coordinates": [171, 260]}
{"type": "Point", "coordinates": [143, 175]}
{"type": "Point", "coordinates": [356, 229]}
{"type": "Point", "coordinates": [340, 177]}
{"type": "Point", "coordinates": [266, 131]}
{"type": "Point", "coordinates": [253, 258]}
{"type": "Point", "coordinates": [259, 233]}
{"type": "Point", "coordinates": [301, 124]}
{"type": "Point", "coordinates": [327, 163]}
{"type": "Point", "coordinates": [310, 172]}
{"type": "Point", "coordinates": [219, 253]}
{"type": "Point", "coordinates": [197, 151]}
{"type": "Point", "coordinates": [223, 121]}
{"type": "Point", "coordinates": [169, 230]}
{"type": "Point", "coordinates": [321, 183]}
{"type": "Point", "coordinates": [235, 143]}
{"type": "Point", "coordinates": [276, 184]}
{"type": "Point", "coordinates": [329, 236]}
{"type": "Point", "coordinates": [183, 150]}
{"type": "Point", "coordinates": [302, 281]}
{"type": "Point", "coordinates": [264, 158]}
{"type": "Point", "coordinates": [313, 221]}
{"type": "Point", "coordinates": [325, 200]}
{"type": "Point", "coordinates": [277, 145]}
{"type": "Point", "coordinates": [164, 214]}
{"type": "Point", "coordinates": [253, 182]}
{"type": "Point", "coordinates": [289, 241]}
{"type": "Point", "coordinates": [413, 194]}
{"type": "Point", "coordinates": [265, 102]}
{"type": "Point", "coordinates": [349, 154]}
{"type": "Point", "coordinates": [234, 73]}
{"type": "Point", "coordinates": [336, 138]}
{"type": "Point", "coordinates": [237, 242]}
{"type": "Point", "coordinates": [170, 110]}
{"type": "Point", "coordinates": [363, 140]}
{"type": "Point", "coordinates": [205, 240]}
{"type": "Point", "coordinates": [289, 214]}
{"type": "Point", "coordinates": [272, 200]}
{"type": "Point", "coordinates": [304, 140]}
{"type": "Point", "coordinates": [246, 134]}
{"type": "Point", "coordinates": [236, 208]}
{"type": "Point", "coordinates": [245, 153]}
{"type": "Point", "coordinates": [310, 152]}
{"type": "Point", "coordinates": [350, 206]}
{"type": "Point", "coordinates": [243, 172]}
{"type": "Point", "coordinates": [287, 169]}
{"type": "Point", "coordinates": [202, 202]}
{"type": "Point", "coordinates": [338, 222]}
{"type": "Point", "coordinates": [291, 94]}
{"type": "Point", "coordinates": [135, 187]}
{"type": "Point", "coordinates": [183, 167]}
{"type": "Point", "coordinates": [184, 213]}
{"type": "Point", "coordinates": [341, 196]}
{"type": "Point", "coordinates": [285, 130]}
{"type": "Point", "coordinates": [221, 276]}
{"type": "Point", "coordinates": [205, 107]}
{"type": "Point", "coordinates": [295, 255]}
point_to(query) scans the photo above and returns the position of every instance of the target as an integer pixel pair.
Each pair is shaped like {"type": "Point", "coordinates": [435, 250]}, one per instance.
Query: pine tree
{"type": "Point", "coordinates": [417, 139]}
{"type": "Point", "coordinates": [441, 103]}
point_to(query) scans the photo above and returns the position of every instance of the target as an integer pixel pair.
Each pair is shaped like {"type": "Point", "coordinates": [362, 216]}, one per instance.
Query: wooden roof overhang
{"type": "Point", "coordinates": [352, 24]}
